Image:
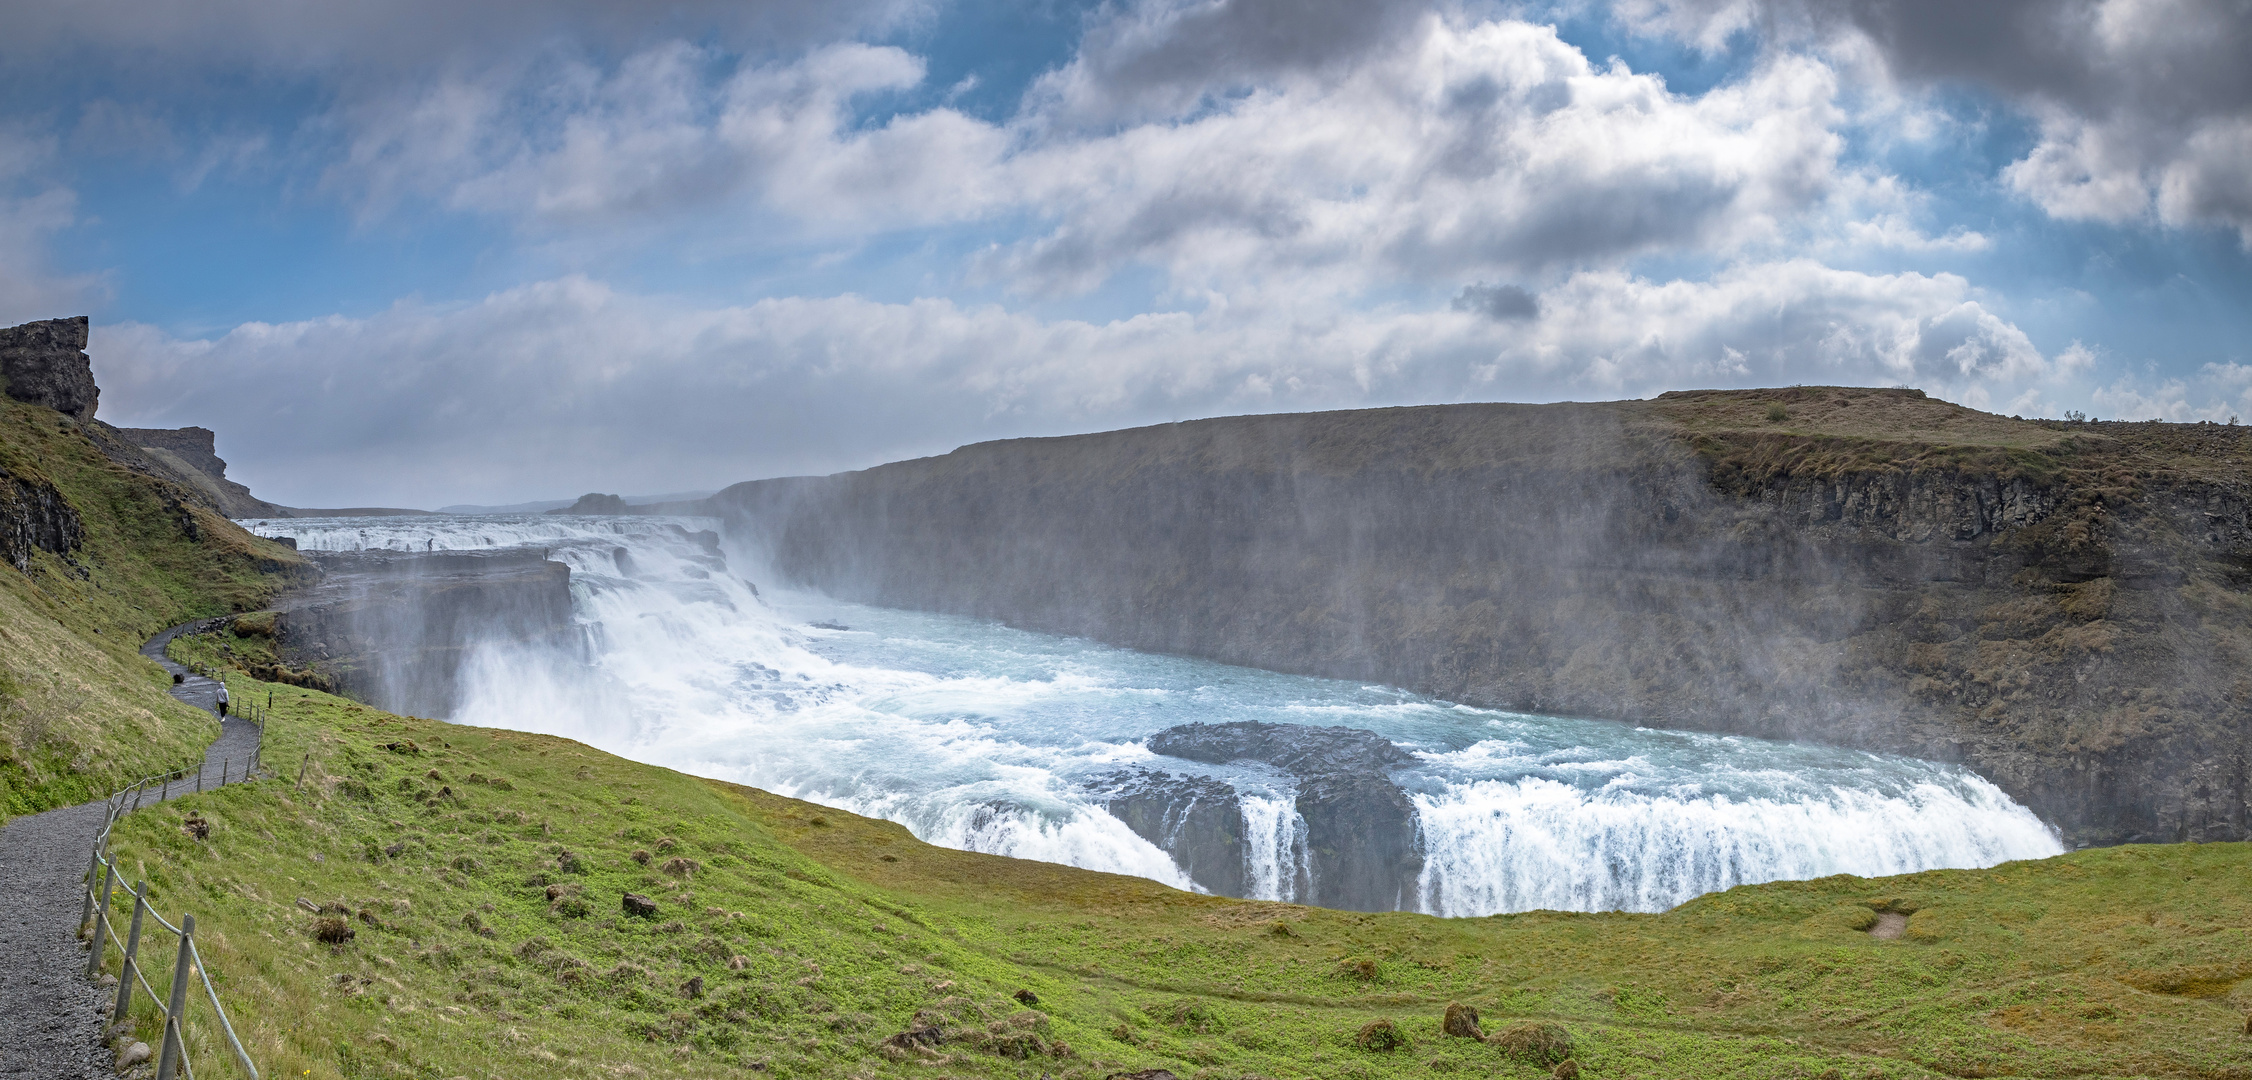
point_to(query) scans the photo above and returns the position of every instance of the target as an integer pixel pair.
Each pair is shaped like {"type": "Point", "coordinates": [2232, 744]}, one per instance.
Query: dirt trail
{"type": "Point", "coordinates": [50, 1015]}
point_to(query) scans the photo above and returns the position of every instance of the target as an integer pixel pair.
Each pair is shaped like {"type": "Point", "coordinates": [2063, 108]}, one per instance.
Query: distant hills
{"type": "Point", "coordinates": [542, 506]}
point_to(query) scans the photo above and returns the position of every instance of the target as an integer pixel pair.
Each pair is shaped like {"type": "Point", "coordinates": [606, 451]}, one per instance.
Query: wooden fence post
{"type": "Point", "coordinates": [101, 918]}
{"type": "Point", "coordinates": [93, 866]}
{"type": "Point", "coordinates": [173, 1046]}
{"type": "Point", "coordinates": [128, 971]}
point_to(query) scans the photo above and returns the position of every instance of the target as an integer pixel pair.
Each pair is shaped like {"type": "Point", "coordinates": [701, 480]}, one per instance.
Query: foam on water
{"type": "Point", "coordinates": [980, 737]}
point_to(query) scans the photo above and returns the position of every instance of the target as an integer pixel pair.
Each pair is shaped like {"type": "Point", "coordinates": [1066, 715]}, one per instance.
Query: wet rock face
{"type": "Point", "coordinates": [35, 517]}
{"type": "Point", "coordinates": [1361, 837]}
{"type": "Point", "coordinates": [1195, 819]}
{"type": "Point", "coordinates": [44, 363]}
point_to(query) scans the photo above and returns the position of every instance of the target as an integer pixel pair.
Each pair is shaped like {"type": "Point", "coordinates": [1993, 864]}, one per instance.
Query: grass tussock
{"type": "Point", "coordinates": [491, 936]}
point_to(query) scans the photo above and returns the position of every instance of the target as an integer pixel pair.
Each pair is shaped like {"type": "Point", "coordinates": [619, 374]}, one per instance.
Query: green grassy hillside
{"type": "Point", "coordinates": [80, 711]}
{"type": "Point", "coordinates": [482, 873]}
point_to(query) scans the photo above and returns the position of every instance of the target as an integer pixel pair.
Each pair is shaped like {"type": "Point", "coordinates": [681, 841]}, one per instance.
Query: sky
{"type": "Point", "coordinates": [429, 252]}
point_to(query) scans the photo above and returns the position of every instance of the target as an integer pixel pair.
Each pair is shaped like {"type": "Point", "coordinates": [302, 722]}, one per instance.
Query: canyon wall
{"type": "Point", "coordinates": [395, 629]}
{"type": "Point", "coordinates": [2062, 607]}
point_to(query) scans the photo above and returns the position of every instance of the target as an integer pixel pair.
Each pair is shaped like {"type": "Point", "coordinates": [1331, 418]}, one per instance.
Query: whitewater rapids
{"type": "Point", "coordinates": [977, 736]}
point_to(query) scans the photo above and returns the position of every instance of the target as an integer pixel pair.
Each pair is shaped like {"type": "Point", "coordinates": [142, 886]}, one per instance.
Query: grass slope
{"type": "Point", "coordinates": [482, 872]}
{"type": "Point", "coordinates": [81, 712]}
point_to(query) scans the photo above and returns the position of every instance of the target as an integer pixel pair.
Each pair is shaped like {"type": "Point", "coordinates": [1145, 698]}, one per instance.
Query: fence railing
{"type": "Point", "coordinates": [172, 1057]}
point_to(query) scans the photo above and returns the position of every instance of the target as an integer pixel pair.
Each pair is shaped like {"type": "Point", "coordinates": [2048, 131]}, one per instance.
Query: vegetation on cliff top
{"type": "Point", "coordinates": [81, 712]}
{"type": "Point", "coordinates": [1832, 430]}
{"type": "Point", "coordinates": [483, 875]}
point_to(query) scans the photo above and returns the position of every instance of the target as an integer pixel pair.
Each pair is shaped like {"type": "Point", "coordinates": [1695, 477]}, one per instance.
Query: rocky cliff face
{"type": "Point", "coordinates": [44, 363]}
{"type": "Point", "coordinates": [2062, 607]}
{"type": "Point", "coordinates": [394, 629]}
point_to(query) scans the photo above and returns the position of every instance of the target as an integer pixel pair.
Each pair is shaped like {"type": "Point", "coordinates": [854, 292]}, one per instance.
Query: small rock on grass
{"type": "Point", "coordinates": [133, 1055]}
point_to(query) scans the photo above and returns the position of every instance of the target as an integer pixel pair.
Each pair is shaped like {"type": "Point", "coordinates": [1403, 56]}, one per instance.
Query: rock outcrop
{"type": "Point", "coordinates": [35, 517]}
{"type": "Point", "coordinates": [44, 363]}
{"type": "Point", "coordinates": [2064, 607]}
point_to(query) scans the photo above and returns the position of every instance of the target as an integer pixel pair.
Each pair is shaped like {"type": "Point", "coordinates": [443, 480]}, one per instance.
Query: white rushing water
{"type": "Point", "coordinates": [981, 737]}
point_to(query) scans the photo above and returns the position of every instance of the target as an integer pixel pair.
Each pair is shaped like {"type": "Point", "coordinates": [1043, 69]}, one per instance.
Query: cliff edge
{"type": "Point", "coordinates": [2063, 607]}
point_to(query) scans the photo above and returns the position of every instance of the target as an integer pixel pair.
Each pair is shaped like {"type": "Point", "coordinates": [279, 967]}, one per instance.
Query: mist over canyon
{"type": "Point", "coordinates": [2058, 605]}
{"type": "Point", "coordinates": [657, 645]}
{"type": "Point", "coordinates": [1960, 637]}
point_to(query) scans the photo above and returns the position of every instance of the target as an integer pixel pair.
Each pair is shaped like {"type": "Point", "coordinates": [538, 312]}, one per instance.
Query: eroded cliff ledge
{"type": "Point", "coordinates": [2062, 606]}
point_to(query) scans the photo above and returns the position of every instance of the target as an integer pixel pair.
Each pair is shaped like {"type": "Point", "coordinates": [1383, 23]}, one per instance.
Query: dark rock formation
{"type": "Point", "coordinates": [43, 363]}
{"type": "Point", "coordinates": [35, 517]}
{"type": "Point", "coordinates": [596, 503]}
{"type": "Point", "coordinates": [393, 629]}
{"type": "Point", "coordinates": [1361, 835]}
{"type": "Point", "coordinates": [2064, 607]}
{"type": "Point", "coordinates": [1195, 819]}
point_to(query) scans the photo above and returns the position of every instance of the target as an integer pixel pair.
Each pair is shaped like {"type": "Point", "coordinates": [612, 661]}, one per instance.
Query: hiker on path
{"type": "Point", "coordinates": [222, 699]}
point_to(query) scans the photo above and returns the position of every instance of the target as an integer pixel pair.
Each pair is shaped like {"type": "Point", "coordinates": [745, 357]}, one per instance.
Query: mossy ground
{"type": "Point", "coordinates": [818, 934]}
{"type": "Point", "coordinates": [81, 713]}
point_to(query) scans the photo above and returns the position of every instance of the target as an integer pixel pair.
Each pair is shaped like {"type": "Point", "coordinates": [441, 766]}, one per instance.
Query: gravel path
{"type": "Point", "coordinates": [50, 1015]}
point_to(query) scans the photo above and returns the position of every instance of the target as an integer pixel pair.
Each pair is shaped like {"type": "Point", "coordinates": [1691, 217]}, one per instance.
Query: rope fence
{"type": "Point", "coordinates": [172, 1057]}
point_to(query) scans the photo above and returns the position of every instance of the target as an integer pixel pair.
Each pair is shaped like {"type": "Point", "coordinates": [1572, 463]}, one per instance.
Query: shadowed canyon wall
{"type": "Point", "coordinates": [2061, 606]}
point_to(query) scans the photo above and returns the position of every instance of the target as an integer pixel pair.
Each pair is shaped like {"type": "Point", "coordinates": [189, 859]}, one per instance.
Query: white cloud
{"type": "Point", "coordinates": [1469, 150]}
{"type": "Point", "coordinates": [2141, 104]}
{"type": "Point", "coordinates": [2221, 393]}
{"type": "Point", "coordinates": [569, 385]}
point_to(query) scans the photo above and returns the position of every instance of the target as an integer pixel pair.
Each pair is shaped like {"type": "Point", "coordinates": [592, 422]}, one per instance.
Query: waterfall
{"type": "Point", "coordinates": [981, 737]}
